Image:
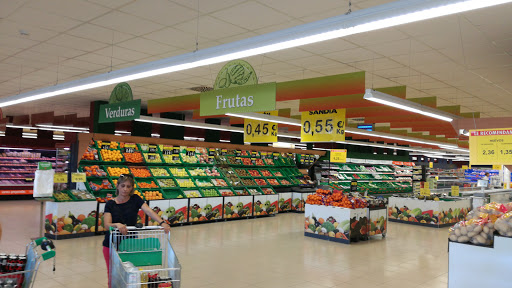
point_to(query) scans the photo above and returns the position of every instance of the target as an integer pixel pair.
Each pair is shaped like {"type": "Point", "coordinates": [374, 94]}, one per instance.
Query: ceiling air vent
{"type": "Point", "coordinates": [201, 88]}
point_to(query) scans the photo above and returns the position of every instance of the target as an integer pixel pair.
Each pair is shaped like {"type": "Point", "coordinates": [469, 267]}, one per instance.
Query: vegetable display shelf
{"type": "Point", "coordinates": [497, 259]}
{"type": "Point", "coordinates": [343, 225]}
{"type": "Point", "coordinates": [428, 213]}
{"type": "Point", "coordinates": [65, 220]}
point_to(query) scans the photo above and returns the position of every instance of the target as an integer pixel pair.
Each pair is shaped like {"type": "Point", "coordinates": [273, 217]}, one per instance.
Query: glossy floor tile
{"type": "Point", "coordinates": [255, 253]}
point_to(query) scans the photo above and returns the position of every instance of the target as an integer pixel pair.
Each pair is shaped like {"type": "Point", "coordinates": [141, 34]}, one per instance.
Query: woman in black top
{"type": "Point", "coordinates": [123, 211]}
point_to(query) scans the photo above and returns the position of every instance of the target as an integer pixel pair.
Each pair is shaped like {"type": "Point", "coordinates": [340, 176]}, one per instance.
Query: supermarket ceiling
{"type": "Point", "coordinates": [462, 60]}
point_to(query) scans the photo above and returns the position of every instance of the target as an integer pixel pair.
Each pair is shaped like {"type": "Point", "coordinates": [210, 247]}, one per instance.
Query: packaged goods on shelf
{"type": "Point", "coordinates": [91, 154]}
{"type": "Point", "coordinates": [94, 171]}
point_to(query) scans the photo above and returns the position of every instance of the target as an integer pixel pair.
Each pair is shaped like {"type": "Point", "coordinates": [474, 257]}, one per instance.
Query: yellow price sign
{"type": "Point", "coordinates": [78, 177]}
{"type": "Point", "coordinates": [464, 167]}
{"type": "Point", "coordinates": [256, 131]}
{"type": "Point", "coordinates": [323, 125]}
{"type": "Point", "coordinates": [426, 185]}
{"type": "Point", "coordinates": [455, 191]}
{"type": "Point", "coordinates": [60, 178]}
{"type": "Point", "coordinates": [496, 167]}
{"type": "Point", "coordinates": [430, 164]}
{"type": "Point", "coordinates": [490, 146]}
{"type": "Point", "coordinates": [425, 191]}
{"type": "Point", "coordinates": [338, 156]}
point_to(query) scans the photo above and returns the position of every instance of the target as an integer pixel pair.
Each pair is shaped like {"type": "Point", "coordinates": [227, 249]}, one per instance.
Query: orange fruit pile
{"type": "Point", "coordinates": [135, 157]}
{"type": "Point", "coordinates": [117, 171]}
{"type": "Point", "coordinates": [140, 172]}
{"type": "Point", "coordinates": [111, 155]}
{"type": "Point", "coordinates": [153, 195]}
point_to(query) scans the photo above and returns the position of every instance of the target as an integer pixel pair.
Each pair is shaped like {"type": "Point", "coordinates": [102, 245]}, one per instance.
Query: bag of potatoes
{"type": "Point", "coordinates": [504, 224]}
{"type": "Point", "coordinates": [476, 231]}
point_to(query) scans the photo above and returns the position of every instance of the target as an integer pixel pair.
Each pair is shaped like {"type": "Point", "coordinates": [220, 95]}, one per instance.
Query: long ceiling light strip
{"type": "Point", "coordinates": [407, 105]}
{"type": "Point", "coordinates": [45, 128]}
{"type": "Point", "coordinates": [62, 127]}
{"type": "Point", "coordinates": [398, 138]}
{"type": "Point", "coordinates": [374, 18]}
{"type": "Point", "coordinates": [268, 118]}
{"type": "Point", "coordinates": [163, 121]}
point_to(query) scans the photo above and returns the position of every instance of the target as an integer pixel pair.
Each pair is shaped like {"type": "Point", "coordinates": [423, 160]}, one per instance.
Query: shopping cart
{"type": "Point", "coordinates": [143, 258]}
{"type": "Point", "coordinates": [16, 271]}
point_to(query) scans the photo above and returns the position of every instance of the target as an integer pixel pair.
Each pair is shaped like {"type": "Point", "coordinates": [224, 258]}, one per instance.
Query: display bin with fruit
{"type": "Point", "coordinates": [203, 182]}
{"type": "Point", "coordinates": [104, 195]}
{"type": "Point", "coordinates": [173, 193]}
{"type": "Point", "coordinates": [273, 181]}
{"type": "Point", "coordinates": [189, 159]}
{"type": "Point", "coordinates": [205, 209]}
{"type": "Point", "coordinates": [266, 173]}
{"type": "Point", "coordinates": [242, 173]}
{"type": "Point", "coordinates": [62, 196]}
{"type": "Point", "coordinates": [90, 156]}
{"type": "Point", "coordinates": [64, 220]}
{"type": "Point", "coordinates": [254, 172]}
{"type": "Point", "coordinates": [172, 159]}
{"type": "Point", "coordinates": [192, 192]}
{"type": "Point", "coordinates": [196, 171]}
{"type": "Point", "coordinates": [146, 183]}
{"type": "Point", "coordinates": [219, 182]}
{"type": "Point", "coordinates": [140, 172]}
{"type": "Point", "coordinates": [179, 172]}
{"type": "Point", "coordinates": [112, 145]}
{"type": "Point", "coordinates": [111, 156]}
{"type": "Point", "coordinates": [166, 182]}
{"type": "Point", "coordinates": [437, 213]}
{"type": "Point", "coordinates": [152, 194]}
{"type": "Point", "coordinates": [159, 171]}
{"type": "Point", "coordinates": [149, 148]}
{"type": "Point", "coordinates": [80, 195]}
{"type": "Point", "coordinates": [210, 192]}
{"type": "Point", "coordinates": [337, 224]}
{"type": "Point", "coordinates": [116, 171]}
{"type": "Point", "coordinates": [285, 182]}
{"type": "Point", "coordinates": [133, 157]}
{"type": "Point", "coordinates": [226, 191]}
{"type": "Point", "coordinates": [152, 158]}
{"type": "Point", "coordinates": [185, 183]}
{"type": "Point", "coordinates": [98, 184]}
{"type": "Point", "coordinates": [92, 171]}
{"type": "Point", "coordinates": [261, 182]}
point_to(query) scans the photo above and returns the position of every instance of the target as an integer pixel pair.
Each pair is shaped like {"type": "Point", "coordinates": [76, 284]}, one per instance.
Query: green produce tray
{"type": "Point", "coordinates": [77, 199]}
{"type": "Point", "coordinates": [276, 171]}
{"type": "Point", "coordinates": [141, 145]}
{"type": "Point", "coordinates": [269, 187]}
{"type": "Point", "coordinates": [177, 182]}
{"type": "Point", "coordinates": [237, 170]}
{"type": "Point", "coordinates": [146, 180]}
{"type": "Point", "coordinates": [98, 147]}
{"type": "Point", "coordinates": [227, 188]}
{"type": "Point", "coordinates": [251, 184]}
{"type": "Point", "coordinates": [202, 179]}
{"type": "Point", "coordinates": [279, 183]}
{"type": "Point", "coordinates": [65, 192]}
{"type": "Point", "coordinates": [262, 179]}
{"type": "Point", "coordinates": [221, 178]}
{"type": "Point", "coordinates": [184, 190]}
{"type": "Point", "coordinates": [179, 162]}
{"type": "Point", "coordinates": [177, 177]}
{"type": "Point", "coordinates": [81, 168]}
{"type": "Point", "coordinates": [97, 181]}
{"type": "Point", "coordinates": [213, 188]}
{"type": "Point", "coordinates": [103, 193]}
{"type": "Point", "coordinates": [159, 167]}
{"type": "Point", "coordinates": [265, 169]}
{"type": "Point", "coordinates": [254, 169]}
{"type": "Point", "coordinates": [164, 187]}
{"type": "Point", "coordinates": [172, 193]}
{"type": "Point", "coordinates": [255, 188]}
{"type": "Point", "coordinates": [190, 169]}
{"type": "Point", "coordinates": [190, 164]}
{"type": "Point", "coordinates": [111, 162]}
{"type": "Point", "coordinates": [105, 167]}
{"type": "Point", "coordinates": [145, 157]}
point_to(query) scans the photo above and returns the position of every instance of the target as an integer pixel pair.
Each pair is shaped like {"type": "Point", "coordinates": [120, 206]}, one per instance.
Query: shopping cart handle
{"type": "Point", "coordinates": [40, 240]}
{"type": "Point", "coordinates": [48, 255]}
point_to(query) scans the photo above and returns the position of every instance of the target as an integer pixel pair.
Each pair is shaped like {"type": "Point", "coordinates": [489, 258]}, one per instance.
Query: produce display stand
{"type": "Point", "coordinates": [64, 220]}
{"type": "Point", "coordinates": [285, 199]}
{"type": "Point", "coordinates": [299, 196]}
{"type": "Point", "coordinates": [429, 213]}
{"type": "Point", "coordinates": [495, 272]}
{"type": "Point", "coordinates": [343, 225]}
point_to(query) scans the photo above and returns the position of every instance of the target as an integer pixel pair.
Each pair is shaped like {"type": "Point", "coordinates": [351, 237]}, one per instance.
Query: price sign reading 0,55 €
{"type": "Point", "coordinates": [323, 125]}
{"type": "Point", "coordinates": [256, 131]}
{"type": "Point", "coordinates": [490, 147]}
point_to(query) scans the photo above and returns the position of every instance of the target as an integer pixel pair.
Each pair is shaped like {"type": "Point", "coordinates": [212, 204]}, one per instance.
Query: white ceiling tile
{"type": "Point", "coordinates": [237, 37]}
{"type": "Point", "coordinates": [207, 6]}
{"type": "Point", "coordinates": [249, 15]}
{"type": "Point", "coordinates": [8, 7]}
{"type": "Point", "coordinates": [57, 51]}
{"type": "Point", "coordinates": [280, 67]}
{"type": "Point", "coordinates": [377, 64]}
{"type": "Point", "coordinates": [289, 54]}
{"type": "Point", "coordinates": [122, 53]}
{"type": "Point", "coordinates": [38, 18]}
{"type": "Point", "coordinates": [100, 34]}
{"type": "Point", "coordinates": [99, 59]}
{"type": "Point", "coordinates": [127, 23]}
{"type": "Point", "coordinates": [17, 42]}
{"type": "Point", "coordinates": [392, 73]}
{"type": "Point", "coordinates": [147, 46]}
{"type": "Point", "coordinates": [210, 28]}
{"type": "Point", "coordinates": [11, 28]}
{"type": "Point", "coordinates": [303, 8]}
{"type": "Point", "coordinates": [82, 64]}
{"type": "Point", "coordinates": [23, 63]}
{"type": "Point", "coordinates": [400, 47]}
{"type": "Point", "coordinates": [159, 11]}
{"type": "Point", "coordinates": [277, 27]}
{"type": "Point", "coordinates": [352, 55]}
{"type": "Point", "coordinates": [112, 4]}
{"type": "Point", "coordinates": [377, 37]}
{"type": "Point", "coordinates": [312, 61]}
{"type": "Point", "coordinates": [174, 37]}
{"type": "Point", "coordinates": [77, 43]}
{"type": "Point", "coordinates": [76, 9]}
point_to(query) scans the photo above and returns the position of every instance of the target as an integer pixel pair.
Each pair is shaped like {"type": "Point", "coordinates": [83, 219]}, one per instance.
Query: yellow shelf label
{"type": "Point", "coordinates": [425, 191]}
{"type": "Point", "coordinates": [256, 131]}
{"type": "Point", "coordinates": [78, 177]}
{"type": "Point", "coordinates": [338, 156]}
{"type": "Point", "coordinates": [455, 191]}
{"type": "Point", "coordinates": [60, 178]}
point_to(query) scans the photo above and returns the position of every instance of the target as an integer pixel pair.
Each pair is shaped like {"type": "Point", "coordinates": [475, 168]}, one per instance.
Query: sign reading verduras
{"type": "Point", "coordinates": [256, 131]}
{"type": "Point", "coordinates": [323, 125]}
{"type": "Point", "coordinates": [252, 98]}
{"type": "Point", "coordinates": [121, 111]}
{"type": "Point", "coordinates": [490, 146]}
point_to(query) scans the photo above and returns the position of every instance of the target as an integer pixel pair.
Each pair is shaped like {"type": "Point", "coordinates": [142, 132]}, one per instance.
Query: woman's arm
{"type": "Point", "coordinates": [155, 216]}
{"type": "Point", "coordinates": [107, 218]}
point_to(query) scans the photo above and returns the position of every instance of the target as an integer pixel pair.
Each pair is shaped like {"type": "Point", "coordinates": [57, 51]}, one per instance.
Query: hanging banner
{"type": "Point", "coordinates": [323, 125]}
{"type": "Point", "coordinates": [256, 131]}
{"type": "Point", "coordinates": [490, 146]}
{"type": "Point", "coordinates": [252, 98]}
{"type": "Point", "coordinates": [338, 156]}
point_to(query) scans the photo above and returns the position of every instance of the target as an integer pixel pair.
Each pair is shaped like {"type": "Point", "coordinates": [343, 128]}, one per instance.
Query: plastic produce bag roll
{"type": "Point", "coordinates": [43, 183]}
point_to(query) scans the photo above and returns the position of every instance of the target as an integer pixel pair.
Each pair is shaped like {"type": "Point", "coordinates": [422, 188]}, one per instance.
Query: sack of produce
{"type": "Point", "coordinates": [476, 231]}
{"type": "Point", "coordinates": [491, 211]}
{"type": "Point", "coordinates": [504, 224]}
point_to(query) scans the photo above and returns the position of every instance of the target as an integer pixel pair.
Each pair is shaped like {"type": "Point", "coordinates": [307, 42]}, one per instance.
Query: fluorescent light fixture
{"type": "Point", "coordinates": [28, 134]}
{"type": "Point", "coordinates": [66, 148]}
{"type": "Point", "coordinates": [288, 135]}
{"type": "Point", "coordinates": [225, 141]}
{"type": "Point", "coordinates": [62, 127]}
{"type": "Point", "coordinates": [407, 105]}
{"type": "Point", "coordinates": [44, 128]}
{"type": "Point", "coordinates": [247, 143]}
{"type": "Point", "coordinates": [117, 134]}
{"type": "Point", "coordinates": [19, 126]}
{"type": "Point", "coordinates": [11, 148]}
{"type": "Point", "coordinates": [122, 132]}
{"type": "Point", "coordinates": [193, 138]}
{"type": "Point", "coordinates": [453, 148]}
{"type": "Point", "coordinates": [373, 18]}
{"type": "Point", "coordinates": [58, 139]}
{"type": "Point", "coordinates": [268, 118]}
{"type": "Point", "coordinates": [283, 145]}
{"type": "Point", "coordinates": [322, 149]}
{"type": "Point", "coordinates": [190, 124]}
{"type": "Point", "coordinates": [31, 137]}
{"type": "Point", "coordinates": [155, 135]}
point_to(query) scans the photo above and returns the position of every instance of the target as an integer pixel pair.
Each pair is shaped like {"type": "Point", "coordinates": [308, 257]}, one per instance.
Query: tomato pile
{"type": "Point", "coordinates": [336, 198]}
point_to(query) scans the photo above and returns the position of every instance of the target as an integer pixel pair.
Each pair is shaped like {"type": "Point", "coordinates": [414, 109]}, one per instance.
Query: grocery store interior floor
{"type": "Point", "coordinates": [265, 252]}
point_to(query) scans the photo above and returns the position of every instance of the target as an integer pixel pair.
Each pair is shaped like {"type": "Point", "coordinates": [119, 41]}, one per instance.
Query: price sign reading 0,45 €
{"type": "Point", "coordinates": [490, 147]}
{"type": "Point", "coordinates": [256, 131]}
{"type": "Point", "coordinates": [323, 125]}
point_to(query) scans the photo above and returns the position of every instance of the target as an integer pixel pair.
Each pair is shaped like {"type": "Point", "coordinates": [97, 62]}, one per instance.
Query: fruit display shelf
{"type": "Point", "coordinates": [152, 158]}
{"type": "Point", "coordinates": [179, 172]}
{"type": "Point", "coordinates": [159, 171]}
{"type": "Point", "coordinates": [166, 182]}
{"type": "Point", "coordinates": [173, 194]}
{"type": "Point", "coordinates": [430, 213]}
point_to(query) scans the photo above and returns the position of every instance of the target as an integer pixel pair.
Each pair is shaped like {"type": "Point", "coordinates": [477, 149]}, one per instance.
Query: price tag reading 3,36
{"type": "Point", "coordinates": [323, 125]}
{"type": "Point", "coordinates": [256, 131]}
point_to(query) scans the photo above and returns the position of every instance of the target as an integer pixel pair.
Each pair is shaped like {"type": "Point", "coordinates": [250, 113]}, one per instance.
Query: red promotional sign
{"type": "Point", "coordinates": [16, 192]}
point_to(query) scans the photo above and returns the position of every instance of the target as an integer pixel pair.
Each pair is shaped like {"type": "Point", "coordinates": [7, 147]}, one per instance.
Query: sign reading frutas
{"type": "Point", "coordinates": [490, 147]}
{"type": "Point", "coordinates": [117, 112]}
{"type": "Point", "coordinates": [338, 155]}
{"type": "Point", "coordinates": [252, 98]}
{"type": "Point", "coordinates": [256, 131]}
{"type": "Point", "coordinates": [323, 125]}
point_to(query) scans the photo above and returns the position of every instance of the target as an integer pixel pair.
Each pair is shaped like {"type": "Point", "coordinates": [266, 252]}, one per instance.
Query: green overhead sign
{"type": "Point", "coordinates": [251, 98]}
{"type": "Point", "coordinates": [117, 112]}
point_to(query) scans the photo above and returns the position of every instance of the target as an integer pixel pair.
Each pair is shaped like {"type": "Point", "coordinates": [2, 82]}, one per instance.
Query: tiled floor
{"type": "Point", "coordinates": [268, 252]}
